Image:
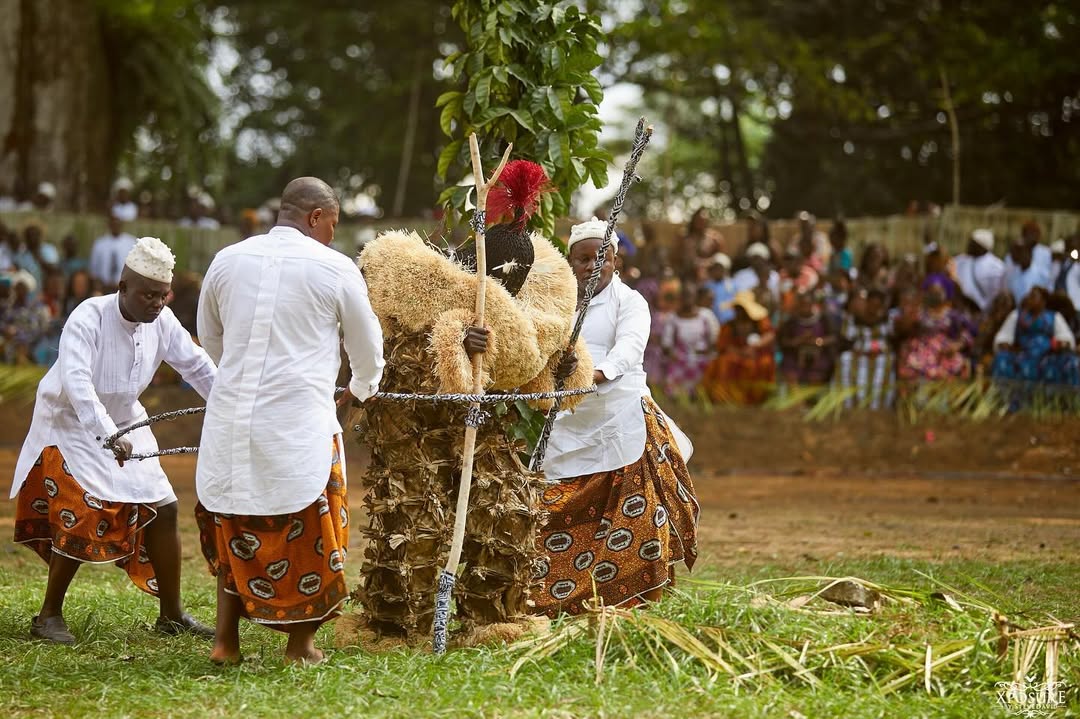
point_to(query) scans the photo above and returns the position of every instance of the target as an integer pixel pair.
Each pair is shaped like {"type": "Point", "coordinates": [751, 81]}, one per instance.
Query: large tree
{"type": "Point", "coordinates": [83, 75]}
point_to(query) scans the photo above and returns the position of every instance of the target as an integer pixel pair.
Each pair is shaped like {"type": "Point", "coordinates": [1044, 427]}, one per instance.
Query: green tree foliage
{"type": "Point", "coordinates": [525, 76]}
{"type": "Point", "coordinates": [333, 91]}
{"type": "Point", "coordinates": [164, 128]}
{"type": "Point", "coordinates": [851, 95]}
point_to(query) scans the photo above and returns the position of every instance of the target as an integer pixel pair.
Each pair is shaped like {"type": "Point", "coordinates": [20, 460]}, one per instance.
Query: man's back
{"type": "Point", "coordinates": [269, 316]}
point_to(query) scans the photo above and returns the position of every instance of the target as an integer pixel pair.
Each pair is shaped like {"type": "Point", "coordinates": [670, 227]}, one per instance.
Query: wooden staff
{"type": "Point", "coordinates": [475, 416]}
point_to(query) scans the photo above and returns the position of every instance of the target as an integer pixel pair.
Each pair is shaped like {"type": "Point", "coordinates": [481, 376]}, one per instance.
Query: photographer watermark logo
{"type": "Point", "coordinates": [1031, 699]}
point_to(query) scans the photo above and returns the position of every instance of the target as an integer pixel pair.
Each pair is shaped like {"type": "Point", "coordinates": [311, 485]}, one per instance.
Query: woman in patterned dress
{"type": "Point", "coordinates": [1035, 344]}
{"type": "Point", "coordinates": [938, 338]}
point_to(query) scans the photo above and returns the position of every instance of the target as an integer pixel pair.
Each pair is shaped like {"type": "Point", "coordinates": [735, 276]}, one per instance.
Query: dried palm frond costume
{"type": "Point", "coordinates": [424, 301]}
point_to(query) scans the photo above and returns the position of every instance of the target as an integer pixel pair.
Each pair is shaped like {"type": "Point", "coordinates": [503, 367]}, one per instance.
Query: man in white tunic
{"type": "Point", "coordinates": [79, 502]}
{"type": "Point", "coordinates": [980, 273]}
{"type": "Point", "coordinates": [107, 254]}
{"type": "Point", "coordinates": [273, 515]}
{"type": "Point", "coordinates": [623, 511]}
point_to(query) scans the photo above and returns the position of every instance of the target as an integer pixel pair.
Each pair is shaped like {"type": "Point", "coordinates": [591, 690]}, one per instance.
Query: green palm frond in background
{"type": "Point", "coordinates": [18, 383]}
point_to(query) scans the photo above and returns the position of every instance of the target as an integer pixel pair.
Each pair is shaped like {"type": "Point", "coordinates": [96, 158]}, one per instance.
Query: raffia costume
{"type": "Point", "coordinates": [425, 303]}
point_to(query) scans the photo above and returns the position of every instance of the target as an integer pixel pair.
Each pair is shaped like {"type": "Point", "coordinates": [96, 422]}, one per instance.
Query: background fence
{"type": "Point", "coordinates": [900, 234]}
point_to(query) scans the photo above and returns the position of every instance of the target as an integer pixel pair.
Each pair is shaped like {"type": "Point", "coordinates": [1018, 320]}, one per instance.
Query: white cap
{"type": "Point", "coordinates": [758, 249]}
{"type": "Point", "coordinates": [151, 258]}
{"type": "Point", "coordinates": [122, 183]}
{"type": "Point", "coordinates": [206, 200]}
{"type": "Point", "coordinates": [985, 238]}
{"type": "Point", "coordinates": [1057, 247]}
{"type": "Point", "coordinates": [592, 230]}
{"type": "Point", "coordinates": [22, 277]}
{"type": "Point", "coordinates": [721, 259]}
{"type": "Point", "coordinates": [48, 189]}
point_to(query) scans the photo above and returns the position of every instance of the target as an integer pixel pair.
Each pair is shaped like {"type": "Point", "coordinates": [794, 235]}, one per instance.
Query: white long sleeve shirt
{"type": "Point", "coordinates": [105, 364]}
{"type": "Point", "coordinates": [607, 430]}
{"type": "Point", "coordinates": [269, 314]}
{"type": "Point", "coordinates": [1006, 335]}
{"type": "Point", "coordinates": [107, 257]}
{"type": "Point", "coordinates": [981, 278]}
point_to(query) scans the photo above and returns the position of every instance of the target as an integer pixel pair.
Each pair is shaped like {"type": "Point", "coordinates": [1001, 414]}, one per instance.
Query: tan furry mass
{"type": "Point", "coordinates": [419, 288]}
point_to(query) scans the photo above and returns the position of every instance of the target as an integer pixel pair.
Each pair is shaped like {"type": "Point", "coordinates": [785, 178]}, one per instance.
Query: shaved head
{"type": "Point", "coordinates": [309, 205]}
{"type": "Point", "coordinates": [305, 194]}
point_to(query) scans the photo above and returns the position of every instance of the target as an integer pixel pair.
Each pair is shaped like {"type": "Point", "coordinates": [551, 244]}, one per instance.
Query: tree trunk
{"type": "Point", "coordinates": [56, 129]}
{"type": "Point", "coordinates": [410, 137]}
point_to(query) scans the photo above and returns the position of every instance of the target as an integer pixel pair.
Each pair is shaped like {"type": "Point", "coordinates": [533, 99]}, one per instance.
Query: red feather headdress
{"type": "Point", "coordinates": [516, 196]}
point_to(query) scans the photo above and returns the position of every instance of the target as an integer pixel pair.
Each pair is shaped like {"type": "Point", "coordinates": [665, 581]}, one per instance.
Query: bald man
{"type": "Point", "coordinates": [273, 516]}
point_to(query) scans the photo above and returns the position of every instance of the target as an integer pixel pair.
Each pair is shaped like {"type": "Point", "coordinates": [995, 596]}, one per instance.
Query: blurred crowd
{"type": "Point", "coordinates": [803, 310]}
{"type": "Point", "coordinates": [729, 324]}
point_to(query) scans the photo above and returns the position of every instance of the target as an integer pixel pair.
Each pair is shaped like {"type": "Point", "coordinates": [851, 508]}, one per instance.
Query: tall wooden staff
{"type": "Point", "coordinates": [642, 135]}
{"type": "Point", "coordinates": [475, 416]}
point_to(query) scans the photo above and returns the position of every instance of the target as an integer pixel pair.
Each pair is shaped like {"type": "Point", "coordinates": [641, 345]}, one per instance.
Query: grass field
{"type": "Point", "coordinates": [121, 669]}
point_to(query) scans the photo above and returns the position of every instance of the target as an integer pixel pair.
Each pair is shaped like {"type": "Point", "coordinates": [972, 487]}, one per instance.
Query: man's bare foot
{"type": "Point", "coordinates": [225, 656]}
{"type": "Point", "coordinates": [306, 656]}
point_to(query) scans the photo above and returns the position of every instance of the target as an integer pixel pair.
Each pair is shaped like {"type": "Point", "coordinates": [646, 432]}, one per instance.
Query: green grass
{"type": "Point", "coordinates": [121, 669]}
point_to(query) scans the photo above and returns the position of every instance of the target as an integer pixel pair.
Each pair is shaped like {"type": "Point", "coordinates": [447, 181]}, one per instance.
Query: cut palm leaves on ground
{"type": "Point", "coordinates": [936, 641]}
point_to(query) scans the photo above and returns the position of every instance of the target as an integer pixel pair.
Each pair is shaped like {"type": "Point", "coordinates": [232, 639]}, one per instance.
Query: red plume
{"type": "Point", "coordinates": [516, 196]}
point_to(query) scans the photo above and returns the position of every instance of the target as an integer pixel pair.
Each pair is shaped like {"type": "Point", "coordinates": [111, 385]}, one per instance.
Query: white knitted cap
{"type": "Point", "coordinates": [758, 250]}
{"type": "Point", "coordinates": [151, 258]}
{"type": "Point", "coordinates": [1057, 247]}
{"type": "Point", "coordinates": [592, 230]}
{"type": "Point", "coordinates": [985, 238]}
{"type": "Point", "coordinates": [47, 189]}
{"type": "Point", "coordinates": [721, 259]}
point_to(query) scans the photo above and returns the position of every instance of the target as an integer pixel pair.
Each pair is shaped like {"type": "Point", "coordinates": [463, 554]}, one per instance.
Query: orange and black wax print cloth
{"type": "Point", "coordinates": [54, 514]}
{"type": "Point", "coordinates": [285, 568]}
{"type": "Point", "coordinates": [612, 536]}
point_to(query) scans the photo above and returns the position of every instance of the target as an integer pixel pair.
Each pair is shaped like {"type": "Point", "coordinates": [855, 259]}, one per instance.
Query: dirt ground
{"type": "Point", "coordinates": [775, 488]}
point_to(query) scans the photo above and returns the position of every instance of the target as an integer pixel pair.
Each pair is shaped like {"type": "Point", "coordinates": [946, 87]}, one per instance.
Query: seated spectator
{"type": "Point", "coordinates": [989, 324]}
{"type": "Point", "coordinates": [811, 243]}
{"type": "Point", "coordinates": [867, 359]}
{"type": "Point", "coordinates": [35, 256]}
{"type": "Point", "coordinates": [936, 339]}
{"type": "Point", "coordinates": [8, 243]}
{"type": "Point", "coordinates": [907, 275]}
{"type": "Point", "coordinates": [979, 273]}
{"type": "Point", "coordinates": [184, 302]}
{"type": "Point", "coordinates": [71, 259]}
{"type": "Point", "coordinates": [759, 278]}
{"type": "Point", "coordinates": [797, 276]}
{"type": "Point", "coordinates": [807, 342]}
{"type": "Point", "coordinates": [841, 259]}
{"type": "Point", "coordinates": [79, 287]}
{"type": "Point", "coordinates": [722, 288]}
{"type": "Point", "coordinates": [1068, 279]}
{"type": "Point", "coordinates": [1035, 344]}
{"type": "Point", "coordinates": [835, 295]}
{"type": "Point", "coordinates": [108, 254]}
{"type": "Point", "coordinates": [873, 272]}
{"type": "Point", "coordinates": [687, 339]}
{"type": "Point", "coordinates": [24, 321]}
{"type": "Point", "coordinates": [52, 293]}
{"type": "Point", "coordinates": [695, 247]}
{"type": "Point", "coordinates": [667, 301]}
{"type": "Point", "coordinates": [936, 271]}
{"type": "Point", "coordinates": [198, 216]}
{"type": "Point", "coordinates": [744, 369]}
{"type": "Point", "coordinates": [1024, 271]}
{"type": "Point", "coordinates": [123, 207]}
{"type": "Point", "coordinates": [1057, 259]}
{"type": "Point", "coordinates": [1040, 256]}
